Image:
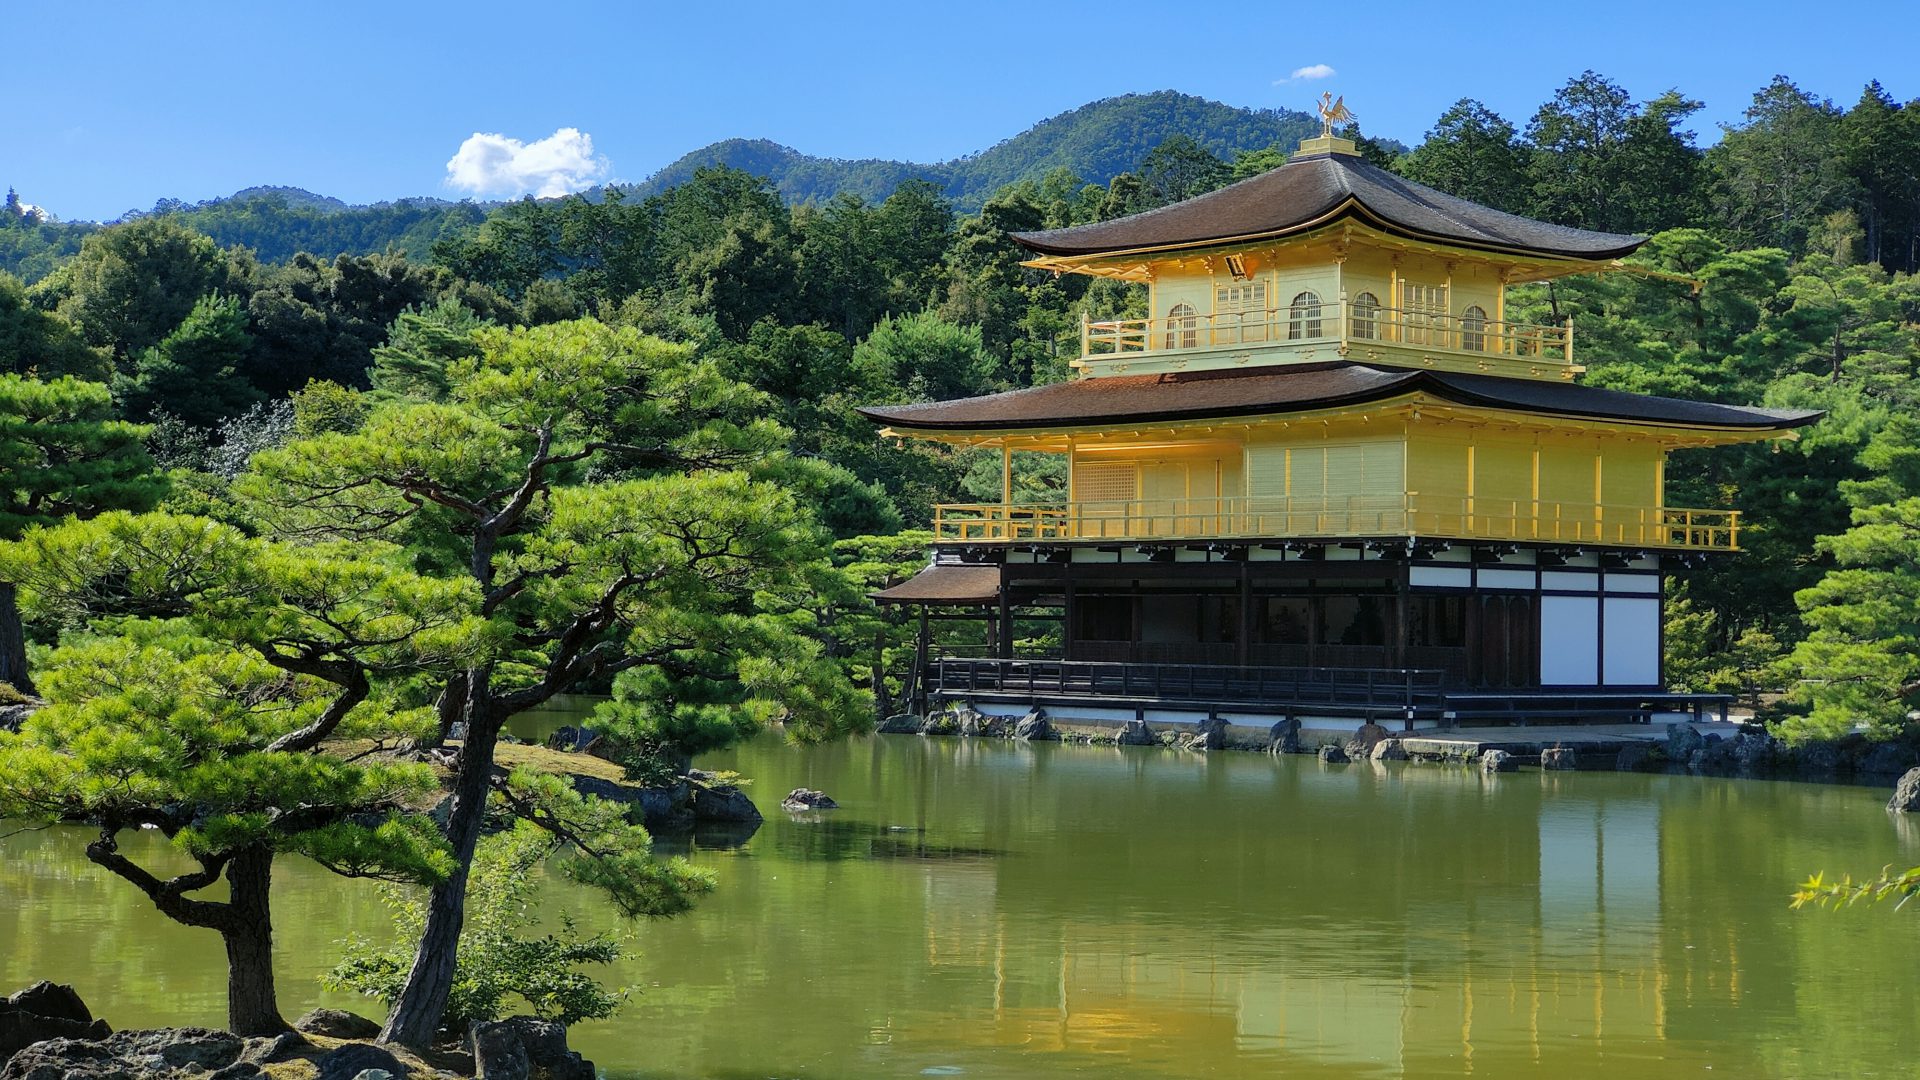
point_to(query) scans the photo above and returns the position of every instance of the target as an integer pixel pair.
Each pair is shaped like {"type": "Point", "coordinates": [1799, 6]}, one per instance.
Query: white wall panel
{"type": "Point", "coordinates": [1633, 641]}
{"type": "Point", "coordinates": [1451, 577]}
{"type": "Point", "coordinates": [1506, 579]}
{"type": "Point", "coordinates": [1570, 640]}
{"type": "Point", "coordinates": [1569, 581]}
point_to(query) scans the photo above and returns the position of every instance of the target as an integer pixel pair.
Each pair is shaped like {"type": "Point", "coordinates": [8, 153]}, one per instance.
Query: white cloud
{"type": "Point", "coordinates": [1308, 73]}
{"type": "Point", "coordinates": [493, 164]}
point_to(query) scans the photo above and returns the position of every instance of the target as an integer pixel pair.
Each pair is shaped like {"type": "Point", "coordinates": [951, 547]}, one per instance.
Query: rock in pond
{"type": "Point", "coordinates": [1334, 754]}
{"type": "Point", "coordinates": [1906, 794]}
{"type": "Point", "coordinates": [355, 1059]}
{"type": "Point", "coordinates": [802, 799]}
{"type": "Point", "coordinates": [572, 740]}
{"type": "Point", "coordinates": [1497, 761]}
{"type": "Point", "coordinates": [523, 1048]}
{"type": "Point", "coordinates": [1208, 734]}
{"type": "Point", "coordinates": [1682, 741]}
{"type": "Point", "coordinates": [900, 724]}
{"type": "Point", "coordinates": [1137, 733]}
{"type": "Point", "coordinates": [45, 1011]}
{"type": "Point", "coordinates": [160, 1054]}
{"type": "Point", "coordinates": [721, 802]}
{"type": "Point", "coordinates": [1284, 737]}
{"type": "Point", "coordinates": [1633, 758]}
{"type": "Point", "coordinates": [1558, 759]}
{"type": "Point", "coordinates": [1033, 727]}
{"type": "Point", "coordinates": [337, 1024]}
{"type": "Point", "coordinates": [1388, 750]}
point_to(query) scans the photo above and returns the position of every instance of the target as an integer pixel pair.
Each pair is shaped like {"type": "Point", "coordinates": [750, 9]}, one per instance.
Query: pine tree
{"type": "Point", "coordinates": [65, 454]}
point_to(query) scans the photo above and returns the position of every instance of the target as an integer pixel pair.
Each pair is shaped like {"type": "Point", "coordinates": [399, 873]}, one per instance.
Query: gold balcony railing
{"type": "Point", "coordinates": [1339, 322]}
{"type": "Point", "coordinates": [1412, 514]}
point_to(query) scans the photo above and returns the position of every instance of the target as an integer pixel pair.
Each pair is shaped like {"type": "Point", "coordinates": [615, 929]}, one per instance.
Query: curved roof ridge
{"type": "Point", "coordinates": [1301, 193]}
{"type": "Point", "coordinates": [1213, 394]}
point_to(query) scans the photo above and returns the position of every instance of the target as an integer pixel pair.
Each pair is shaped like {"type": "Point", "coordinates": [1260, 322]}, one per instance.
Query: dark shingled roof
{"type": "Point", "coordinates": [1296, 388]}
{"type": "Point", "coordinates": [946, 585]}
{"type": "Point", "coordinates": [1306, 192]}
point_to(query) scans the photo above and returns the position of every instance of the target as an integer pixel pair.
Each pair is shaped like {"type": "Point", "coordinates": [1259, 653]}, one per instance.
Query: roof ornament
{"type": "Point", "coordinates": [1333, 110]}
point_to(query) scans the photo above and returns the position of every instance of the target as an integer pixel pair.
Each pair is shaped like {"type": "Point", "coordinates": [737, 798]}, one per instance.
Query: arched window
{"type": "Point", "coordinates": [1183, 327]}
{"type": "Point", "coordinates": [1473, 329]}
{"type": "Point", "coordinates": [1366, 316]}
{"type": "Point", "coordinates": [1303, 317]}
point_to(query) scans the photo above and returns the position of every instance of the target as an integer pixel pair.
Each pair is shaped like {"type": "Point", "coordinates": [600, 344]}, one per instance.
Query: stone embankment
{"type": "Point", "coordinates": [1747, 750]}
{"type": "Point", "coordinates": [47, 1033]}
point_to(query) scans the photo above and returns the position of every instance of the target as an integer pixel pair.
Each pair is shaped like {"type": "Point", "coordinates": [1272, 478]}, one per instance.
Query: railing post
{"type": "Point", "coordinates": [1567, 344]}
{"type": "Point", "coordinates": [1086, 333]}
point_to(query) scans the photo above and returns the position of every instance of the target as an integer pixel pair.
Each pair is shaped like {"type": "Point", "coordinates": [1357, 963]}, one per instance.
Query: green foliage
{"type": "Point", "coordinates": [195, 372]}
{"type": "Point", "coordinates": [498, 960]}
{"type": "Point", "coordinates": [131, 284]}
{"type": "Point", "coordinates": [34, 342]}
{"type": "Point", "coordinates": [1846, 892]}
{"type": "Point", "coordinates": [1860, 660]}
{"type": "Point", "coordinates": [928, 358]}
{"type": "Point", "coordinates": [64, 453]}
{"type": "Point", "coordinates": [1474, 153]}
{"type": "Point", "coordinates": [420, 345]}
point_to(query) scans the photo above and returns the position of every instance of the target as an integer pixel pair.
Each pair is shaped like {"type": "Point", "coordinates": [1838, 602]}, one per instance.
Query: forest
{"type": "Point", "coordinates": [298, 494]}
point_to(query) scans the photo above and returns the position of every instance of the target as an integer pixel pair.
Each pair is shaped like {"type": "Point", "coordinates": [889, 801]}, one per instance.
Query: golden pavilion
{"type": "Point", "coordinates": [1327, 477]}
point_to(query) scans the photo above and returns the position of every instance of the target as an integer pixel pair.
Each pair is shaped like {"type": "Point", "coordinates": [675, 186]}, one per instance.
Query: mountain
{"type": "Point", "coordinates": [1095, 142]}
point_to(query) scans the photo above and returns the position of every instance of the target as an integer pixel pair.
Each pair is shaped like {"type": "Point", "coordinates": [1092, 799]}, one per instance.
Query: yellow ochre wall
{"type": "Point", "coordinates": [1441, 463]}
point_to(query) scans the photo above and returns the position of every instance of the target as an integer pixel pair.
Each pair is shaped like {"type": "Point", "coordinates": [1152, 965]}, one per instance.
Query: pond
{"type": "Point", "coordinates": [989, 909]}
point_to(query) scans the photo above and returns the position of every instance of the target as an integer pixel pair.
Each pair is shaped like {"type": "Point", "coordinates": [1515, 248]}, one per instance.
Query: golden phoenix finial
{"type": "Point", "coordinates": [1333, 110]}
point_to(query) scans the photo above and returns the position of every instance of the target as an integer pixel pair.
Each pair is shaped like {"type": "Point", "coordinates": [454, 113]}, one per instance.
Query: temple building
{"type": "Point", "coordinates": [1325, 478]}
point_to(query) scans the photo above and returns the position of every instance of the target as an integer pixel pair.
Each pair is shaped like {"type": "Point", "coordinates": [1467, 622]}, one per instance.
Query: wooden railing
{"type": "Point", "coordinates": [1409, 693]}
{"type": "Point", "coordinates": [1335, 322]}
{"type": "Point", "coordinates": [1412, 514]}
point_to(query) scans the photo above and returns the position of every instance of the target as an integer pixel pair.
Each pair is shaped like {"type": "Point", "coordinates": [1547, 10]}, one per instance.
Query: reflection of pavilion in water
{"type": "Point", "coordinates": [1551, 939]}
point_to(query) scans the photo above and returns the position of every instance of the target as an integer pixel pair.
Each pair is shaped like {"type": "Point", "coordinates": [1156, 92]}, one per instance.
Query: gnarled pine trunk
{"type": "Point", "coordinates": [252, 1006]}
{"type": "Point", "coordinates": [416, 1015]}
{"type": "Point", "coordinates": [13, 641]}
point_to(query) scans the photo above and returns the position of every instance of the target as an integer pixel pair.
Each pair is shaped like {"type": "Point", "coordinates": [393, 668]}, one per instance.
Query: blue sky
{"type": "Point", "coordinates": [116, 105]}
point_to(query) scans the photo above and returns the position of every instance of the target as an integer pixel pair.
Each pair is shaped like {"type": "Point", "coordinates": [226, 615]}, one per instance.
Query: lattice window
{"type": "Point", "coordinates": [1240, 296]}
{"type": "Point", "coordinates": [1303, 316]}
{"type": "Point", "coordinates": [1423, 312]}
{"type": "Point", "coordinates": [1105, 482]}
{"type": "Point", "coordinates": [1183, 327]}
{"type": "Point", "coordinates": [1366, 316]}
{"type": "Point", "coordinates": [1473, 329]}
{"type": "Point", "coordinates": [1240, 312]}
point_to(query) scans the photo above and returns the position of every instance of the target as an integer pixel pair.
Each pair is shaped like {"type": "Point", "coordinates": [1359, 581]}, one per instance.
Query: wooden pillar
{"type": "Point", "coordinates": [1006, 474]}
{"type": "Point", "coordinates": [1244, 636]}
{"type": "Point", "coordinates": [1067, 622]}
{"type": "Point", "coordinates": [1004, 618]}
{"type": "Point", "coordinates": [1403, 623]}
{"type": "Point", "coordinates": [921, 649]}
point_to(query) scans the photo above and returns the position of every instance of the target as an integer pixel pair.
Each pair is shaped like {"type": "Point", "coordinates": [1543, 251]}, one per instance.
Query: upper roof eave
{"type": "Point", "coordinates": [1118, 400]}
{"type": "Point", "coordinates": [1310, 189]}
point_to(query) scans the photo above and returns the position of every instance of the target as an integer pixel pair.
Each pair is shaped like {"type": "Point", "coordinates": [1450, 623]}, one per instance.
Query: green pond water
{"type": "Point", "coordinates": [993, 910]}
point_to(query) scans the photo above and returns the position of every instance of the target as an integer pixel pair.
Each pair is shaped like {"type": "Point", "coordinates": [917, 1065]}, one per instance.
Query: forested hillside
{"type": "Point", "coordinates": [1095, 142]}
{"type": "Point", "coordinates": [1802, 223]}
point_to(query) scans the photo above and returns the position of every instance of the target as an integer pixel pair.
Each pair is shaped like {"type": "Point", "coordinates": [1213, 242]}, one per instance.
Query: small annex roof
{"type": "Point", "coordinates": [946, 584]}
{"type": "Point", "coordinates": [1313, 190]}
{"type": "Point", "coordinates": [1202, 395]}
